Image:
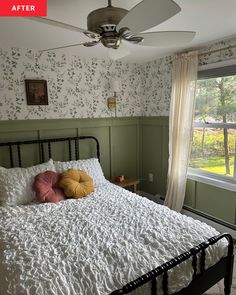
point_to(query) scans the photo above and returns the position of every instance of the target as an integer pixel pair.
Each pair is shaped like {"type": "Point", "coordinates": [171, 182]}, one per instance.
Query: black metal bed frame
{"type": "Point", "coordinates": [42, 143]}
{"type": "Point", "coordinates": [201, 281]}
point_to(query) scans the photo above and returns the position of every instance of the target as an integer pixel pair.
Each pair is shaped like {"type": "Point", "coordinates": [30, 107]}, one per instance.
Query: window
{"type": "Point", "coordinates": [213, 154]}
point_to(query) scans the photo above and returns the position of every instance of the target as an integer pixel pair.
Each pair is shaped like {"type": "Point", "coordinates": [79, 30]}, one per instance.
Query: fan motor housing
{"type": "Point", "coordinates": [104, 16]}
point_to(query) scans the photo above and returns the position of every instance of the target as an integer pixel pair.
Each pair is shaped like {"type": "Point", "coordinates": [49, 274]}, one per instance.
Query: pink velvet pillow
{"type": "Point", "coordinates": [46, 187]}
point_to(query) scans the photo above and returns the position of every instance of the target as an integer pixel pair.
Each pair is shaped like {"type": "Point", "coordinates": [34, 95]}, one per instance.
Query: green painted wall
{"type": "Point", "coordinates": [217, 202]}
{"type": "Point", "coordinates": [129, 146]}
{"type": "Point", "coordinates": [212, 200]}
{"type": "Point", "coordinates": [119, 141]}
{"type": "Point", "coordinates": [154, 153]}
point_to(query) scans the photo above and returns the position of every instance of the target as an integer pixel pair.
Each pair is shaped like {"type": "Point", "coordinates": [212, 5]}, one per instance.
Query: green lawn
{"type": "Point", "coordinates": [213, 164]}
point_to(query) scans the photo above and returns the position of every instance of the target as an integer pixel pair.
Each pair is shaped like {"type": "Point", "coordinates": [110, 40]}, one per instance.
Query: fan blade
{"type": "Point", "coordinates": [167, 39]}
{"type": "Point", "coordinates": [63, 26]}
{"type": "Point", "coordinates": [92, 43]}
{"type": "Point", "coordinates": [61, 47]}
{"type": "Point", "coordinates": [148, 14]}
{"type": "Point", "coordinates": [119, 53]}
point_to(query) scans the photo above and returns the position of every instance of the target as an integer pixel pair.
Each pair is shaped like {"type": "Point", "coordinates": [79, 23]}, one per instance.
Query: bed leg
{"type": "Point", "coordinates": [229, 276]}
{"type": "Point", "coordinates": [227, 288]}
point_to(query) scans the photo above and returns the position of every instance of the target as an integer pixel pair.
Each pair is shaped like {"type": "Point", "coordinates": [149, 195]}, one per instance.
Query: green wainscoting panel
{"type": "Point", "coordinates": [124, 148]}
{"type": "Point", "coordinates": [190, 195]}
{"type": "Point", "coordinates": [102, 133]}
{"type": "Point", "coordinates": [152, 161]}
{"type": "Point", "coordinates": [217, 202]}
{"type": "Point", "coordinates": [60, 149]}
{"type": "Point", "coordinates": [154, 154]}
{"type": "Point", "coordinates": [165, 155]}
{"type": "Point", "coordinates": [118, 138]}
{"type": "Point", "coordinates": [56, 133]}
{"type": "Point", "coordinates": [220, 203]}
{"type": "Point", "coordinates": [30, 154]}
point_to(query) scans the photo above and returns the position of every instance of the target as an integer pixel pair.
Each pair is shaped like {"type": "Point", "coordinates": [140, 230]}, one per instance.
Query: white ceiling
{"type": "Point", "coordinates": [211, 19]}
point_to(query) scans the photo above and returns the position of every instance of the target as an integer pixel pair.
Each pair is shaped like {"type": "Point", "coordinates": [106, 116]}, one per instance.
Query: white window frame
{"type": "Point", "coordinates": [214, 179]}
{"type": "Point", "coordinates": [217, 180]}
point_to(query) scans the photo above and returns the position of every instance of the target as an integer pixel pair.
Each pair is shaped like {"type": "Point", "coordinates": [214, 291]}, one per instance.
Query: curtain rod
{"type": "Point", "coordinates": [217, 50]}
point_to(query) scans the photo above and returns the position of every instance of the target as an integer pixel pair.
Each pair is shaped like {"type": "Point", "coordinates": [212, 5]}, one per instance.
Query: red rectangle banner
{"type": "Point", "coordinates": [23, 7]}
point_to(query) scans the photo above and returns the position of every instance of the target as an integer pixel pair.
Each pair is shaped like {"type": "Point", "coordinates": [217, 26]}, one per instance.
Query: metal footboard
{"type": "Point", "coordinates": [205, 279]}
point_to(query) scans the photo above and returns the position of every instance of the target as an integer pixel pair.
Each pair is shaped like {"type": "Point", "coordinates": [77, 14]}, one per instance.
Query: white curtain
{"type": "Point", "coordinates": [182, 106]}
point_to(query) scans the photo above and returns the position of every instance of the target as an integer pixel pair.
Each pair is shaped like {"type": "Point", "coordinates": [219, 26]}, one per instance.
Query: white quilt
{"type": "Point", "coordinates": [95, 245]}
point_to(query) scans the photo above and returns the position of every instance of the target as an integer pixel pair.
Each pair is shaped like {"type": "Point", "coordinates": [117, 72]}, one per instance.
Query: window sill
{"type": "Point", "coordinates": [212, 179]}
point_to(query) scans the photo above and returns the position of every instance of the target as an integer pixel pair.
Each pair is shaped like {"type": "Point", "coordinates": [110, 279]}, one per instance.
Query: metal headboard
{"type": "Point", "coordinates": [73, 143]}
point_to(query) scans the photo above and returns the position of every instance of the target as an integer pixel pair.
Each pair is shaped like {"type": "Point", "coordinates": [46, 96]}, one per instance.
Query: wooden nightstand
{"type": "Point", "coordinates": [128, 182]}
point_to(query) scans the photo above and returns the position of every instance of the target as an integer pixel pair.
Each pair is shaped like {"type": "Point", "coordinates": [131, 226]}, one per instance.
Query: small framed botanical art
{"type": "Point", "coordinates": [36, 92]}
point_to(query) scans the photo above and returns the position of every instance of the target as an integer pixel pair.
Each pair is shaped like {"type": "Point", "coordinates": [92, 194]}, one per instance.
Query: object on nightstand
{"type": "Point", "coordinates": [127, 182]}
{"type": "Point", "coordinates": [119, 178]}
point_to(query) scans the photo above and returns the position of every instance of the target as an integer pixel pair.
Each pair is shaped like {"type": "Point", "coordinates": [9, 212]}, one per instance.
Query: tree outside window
{"type": "Point", "coordinates": [214, 137]}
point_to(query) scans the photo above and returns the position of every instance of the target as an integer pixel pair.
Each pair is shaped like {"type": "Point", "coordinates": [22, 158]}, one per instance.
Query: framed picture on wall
{"type": "Point", "coordinates": [36, 92]}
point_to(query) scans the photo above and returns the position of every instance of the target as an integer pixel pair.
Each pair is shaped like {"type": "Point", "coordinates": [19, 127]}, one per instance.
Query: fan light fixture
{"type": "Point", "coordinates": [104, 21]}
{"type": "Point", "coordinates": [115, 26]}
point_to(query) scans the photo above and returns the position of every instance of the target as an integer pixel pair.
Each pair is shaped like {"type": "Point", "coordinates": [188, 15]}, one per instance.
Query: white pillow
{"type": "Point", "coordinates": [16, 183]}
{"type": "Point", "coordinates": [91, 166]}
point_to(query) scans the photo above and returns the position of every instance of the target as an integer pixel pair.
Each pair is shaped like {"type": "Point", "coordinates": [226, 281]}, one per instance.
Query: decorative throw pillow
{"type": "Point", "coordinates": [46, 187]}
{"type": "Point", "coordinates": [76, 183]}
{"type": "Point", "coordinates": [91, 166]}
{"type": "Point", "coordinates": [16, 183]}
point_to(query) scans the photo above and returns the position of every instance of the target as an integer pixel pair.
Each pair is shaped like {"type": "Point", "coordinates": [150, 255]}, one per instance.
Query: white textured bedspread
{"type": "Point", "coordinates": [94, 245]}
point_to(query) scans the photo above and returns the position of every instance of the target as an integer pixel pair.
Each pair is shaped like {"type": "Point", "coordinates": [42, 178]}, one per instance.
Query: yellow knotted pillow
{"type": "Point", "coordinates": [76, 183]}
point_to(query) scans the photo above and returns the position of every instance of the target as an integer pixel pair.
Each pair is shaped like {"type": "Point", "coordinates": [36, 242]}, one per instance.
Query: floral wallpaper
{"type": "Point", "coordinates": [157, 88]}
{"type": "Point", "coordinates": [79, 88]}
{"type": "Point", "coordinates": [209, 57]}
{"type": "Point", "coordinates": [158, 78]}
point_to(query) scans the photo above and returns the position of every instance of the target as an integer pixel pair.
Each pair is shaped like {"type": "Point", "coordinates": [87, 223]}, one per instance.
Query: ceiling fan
{"type": "Point", "coordinates": [114, 26]}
